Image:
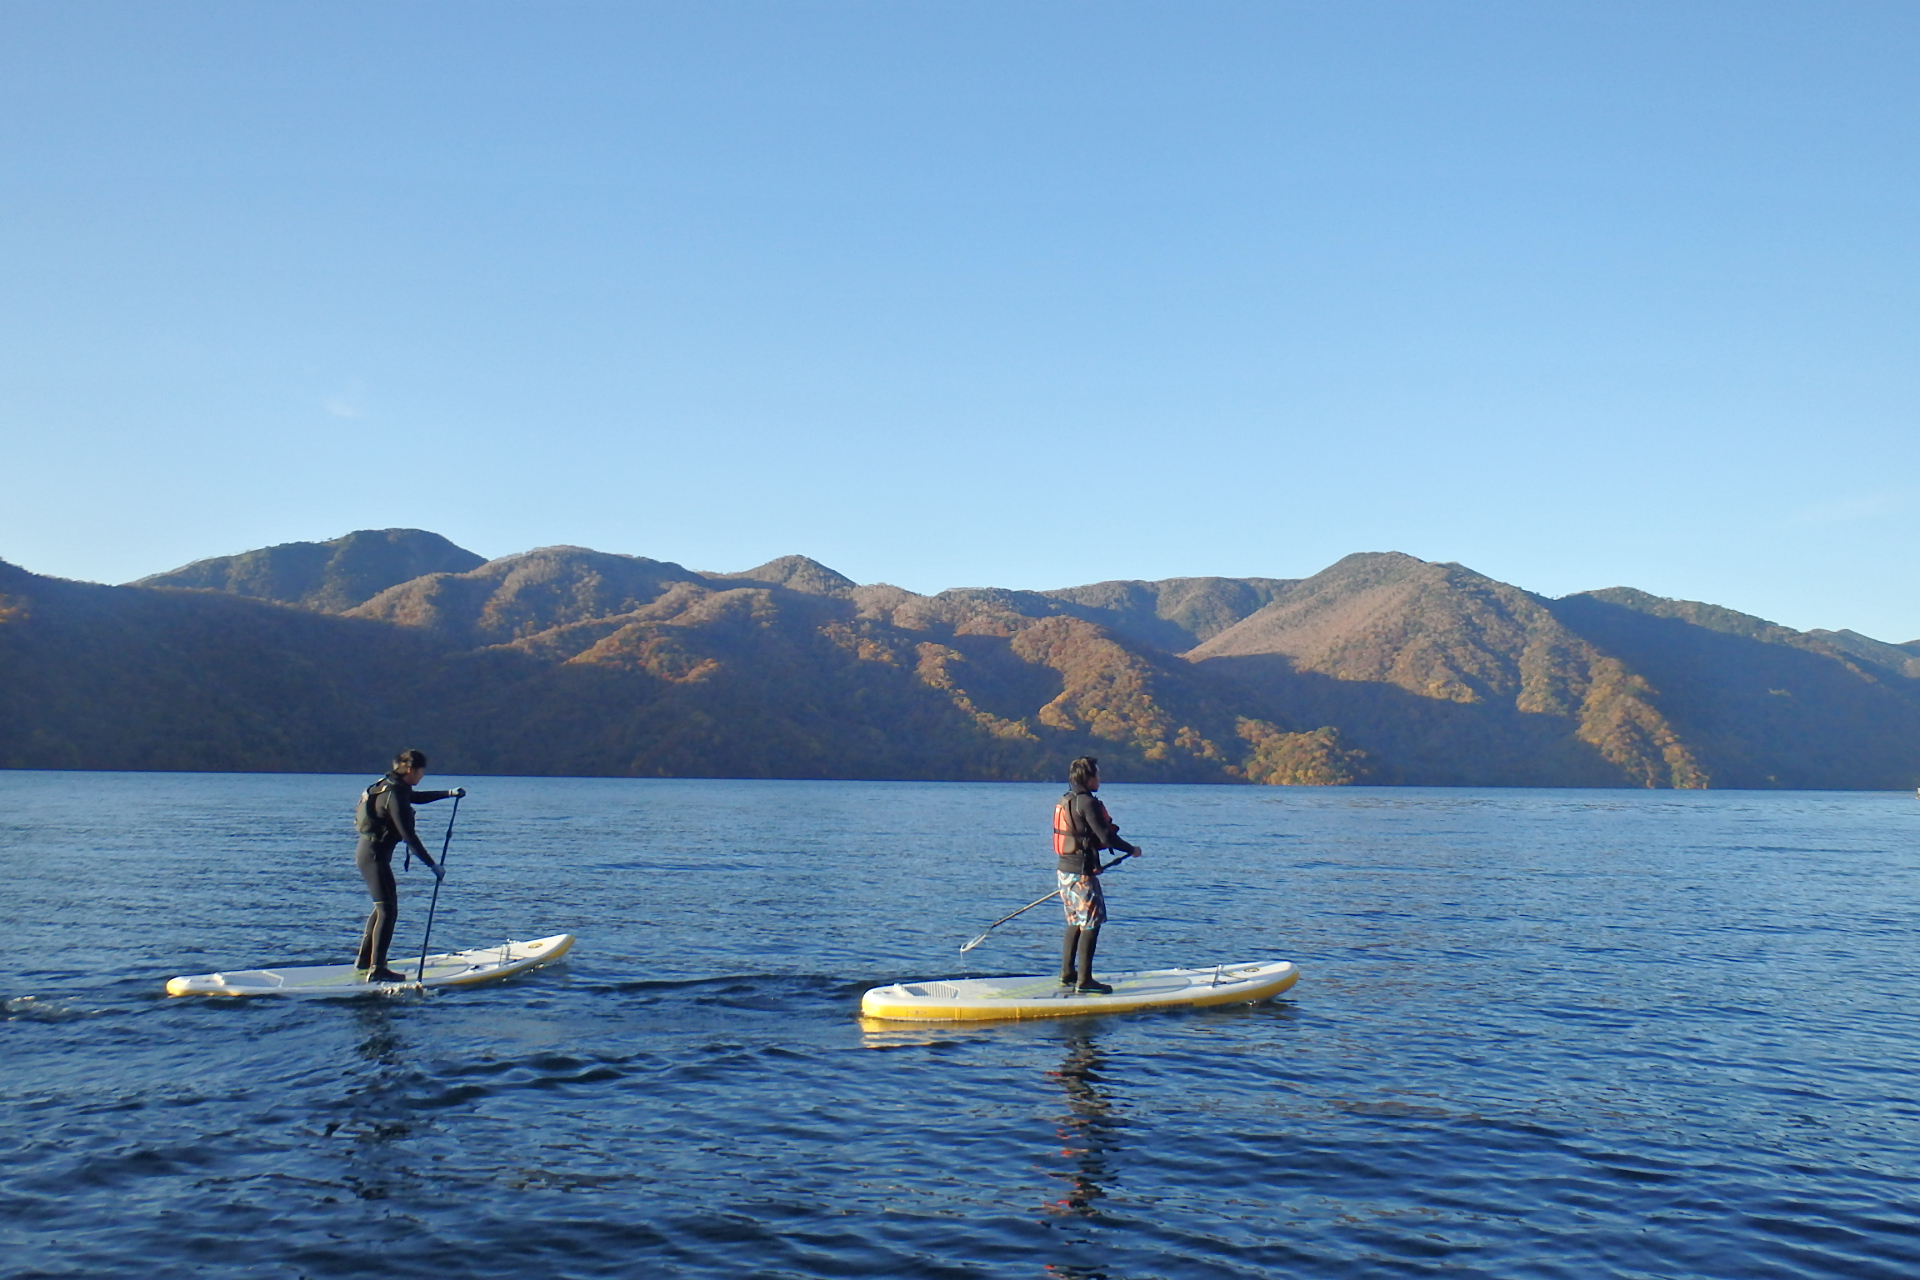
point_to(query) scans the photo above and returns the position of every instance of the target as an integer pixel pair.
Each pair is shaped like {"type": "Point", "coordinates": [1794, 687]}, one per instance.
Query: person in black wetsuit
{"type": "Point", "coordinates": [1091, 830]}
{"type": "Point", "coordinates": [385, 819]}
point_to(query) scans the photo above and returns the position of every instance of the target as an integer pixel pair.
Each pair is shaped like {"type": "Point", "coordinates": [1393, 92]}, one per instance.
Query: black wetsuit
{"type": "Point", "coordinates": [1093, 831]}
{"type": "Point", "coordinates": [393, 807]}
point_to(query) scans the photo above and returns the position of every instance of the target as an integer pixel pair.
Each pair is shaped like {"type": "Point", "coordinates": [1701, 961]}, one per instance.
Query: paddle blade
{"type": "Point", "coordinates": [976, 942]}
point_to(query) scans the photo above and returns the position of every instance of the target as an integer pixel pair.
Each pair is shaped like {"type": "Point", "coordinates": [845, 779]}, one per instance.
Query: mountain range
{"type": "Point", "coordinates": [1382, 668]}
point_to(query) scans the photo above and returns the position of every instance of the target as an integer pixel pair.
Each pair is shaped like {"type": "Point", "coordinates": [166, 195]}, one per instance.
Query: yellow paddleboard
{"type": "Point", "coordinates": [974, 999]}
{"type": "Point", "coordinates": [454, 969]}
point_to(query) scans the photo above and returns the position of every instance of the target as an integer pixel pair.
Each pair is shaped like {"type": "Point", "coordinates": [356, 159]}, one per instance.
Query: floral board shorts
{"type": "Point", "coordinates": [1084, 900]}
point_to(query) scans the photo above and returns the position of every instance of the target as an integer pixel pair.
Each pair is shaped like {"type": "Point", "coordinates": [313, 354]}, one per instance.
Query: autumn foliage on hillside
{"type": "Point", "coordinates": [564, 660]}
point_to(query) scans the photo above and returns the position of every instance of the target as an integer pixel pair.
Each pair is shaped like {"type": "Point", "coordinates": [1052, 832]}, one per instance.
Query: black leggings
{"type": "Point", "coordinates": [1076, 953]}
{"type": "Point", "coordinates": [376, 869]}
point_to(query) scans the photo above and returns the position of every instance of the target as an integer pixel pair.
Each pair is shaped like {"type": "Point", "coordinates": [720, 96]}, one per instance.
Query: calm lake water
{"type": "Point", "coordinates": [1540, 1033]}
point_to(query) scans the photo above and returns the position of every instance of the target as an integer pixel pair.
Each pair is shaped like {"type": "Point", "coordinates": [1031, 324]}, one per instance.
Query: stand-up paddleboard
{"type": "Point", "coordinates": [455, 969]}
{"type": "Point", "coordinates": [973, 999]}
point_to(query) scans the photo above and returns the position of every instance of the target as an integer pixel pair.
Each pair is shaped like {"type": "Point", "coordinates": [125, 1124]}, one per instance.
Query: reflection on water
{"type": "Point", "coordinates": [1088, 1133]}
{"type": "Point", "coordinates": [1069, 1272]}
{"type": "Point", "coordinates": [375, 1113]}
{"type": "Point", "coordinates": [1088, 1130]}
{"type": "Point", "coordinates": [880, 1033]}
{"type": "Point", "coordinates": [381, 1045]}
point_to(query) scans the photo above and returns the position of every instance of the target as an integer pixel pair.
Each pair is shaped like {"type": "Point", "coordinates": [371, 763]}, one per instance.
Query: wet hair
{"type": "Point", "coordinates": [1081, 770]}
{"type": "Point", "coordinates": [411, 758]}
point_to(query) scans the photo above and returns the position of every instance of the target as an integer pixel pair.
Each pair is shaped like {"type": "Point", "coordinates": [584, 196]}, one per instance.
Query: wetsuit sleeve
{"type": "Point", "coordinates": [401, 811]}
{"type": "Point", "coordinates": [428, 797]}
{"type": "Point", "coordinates": [1096, 823]}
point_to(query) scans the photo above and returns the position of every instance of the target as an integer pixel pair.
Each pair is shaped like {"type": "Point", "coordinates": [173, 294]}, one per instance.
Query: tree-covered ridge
{"type": "Point", "coordinates": [327, 576]}
{"type": "Point", "coordinates": [1758, 704]}
{"type": "Point", "coordinates": [1446, 634]}
{"type": "Point", "coordinates": [1900, 659]}
{"type": "Point", "coordinates": [566, 660]}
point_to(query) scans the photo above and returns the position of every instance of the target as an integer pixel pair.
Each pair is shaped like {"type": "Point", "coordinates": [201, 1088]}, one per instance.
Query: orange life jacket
{"type": "Point", "coordinates": [1066, 837]}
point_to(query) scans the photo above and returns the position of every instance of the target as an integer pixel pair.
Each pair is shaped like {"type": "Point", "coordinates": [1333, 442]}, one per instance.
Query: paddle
{"type": "Point", "coordinates": [1031, 905]}
{"type": "Point", "coordinates": [421, 976]}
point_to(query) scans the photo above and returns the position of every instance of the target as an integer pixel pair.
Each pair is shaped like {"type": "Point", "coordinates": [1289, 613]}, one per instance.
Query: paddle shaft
{"type": "Point", "coordinates": [1031, 905]}
{"type": "Point", "coordinates": [421, 976]}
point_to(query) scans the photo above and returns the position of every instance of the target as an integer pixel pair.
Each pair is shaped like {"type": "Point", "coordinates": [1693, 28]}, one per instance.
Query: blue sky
{"type": "Point", "coordinates": [942, 294]}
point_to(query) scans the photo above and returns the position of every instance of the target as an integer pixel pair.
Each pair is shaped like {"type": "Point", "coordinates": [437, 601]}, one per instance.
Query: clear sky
{"type": "Point", "coordinates": [1023, 294]}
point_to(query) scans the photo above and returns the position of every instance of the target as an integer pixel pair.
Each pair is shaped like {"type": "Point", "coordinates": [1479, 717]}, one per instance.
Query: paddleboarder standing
{"type": "Point", "coordinates": [384, 820]}
{"type": "Point", "coordinates": [1082, 828]}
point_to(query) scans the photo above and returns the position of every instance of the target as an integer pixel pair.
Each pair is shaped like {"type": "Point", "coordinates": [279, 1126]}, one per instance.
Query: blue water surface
{"type": "Point", "coordinates": [1540, 1033]}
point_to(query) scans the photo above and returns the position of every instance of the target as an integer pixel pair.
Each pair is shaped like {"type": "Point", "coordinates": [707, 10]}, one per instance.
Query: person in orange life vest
{"type": "Point", "coordinates": [384, 820]}
{"type": "Point", "coordinates": [1081, 829]}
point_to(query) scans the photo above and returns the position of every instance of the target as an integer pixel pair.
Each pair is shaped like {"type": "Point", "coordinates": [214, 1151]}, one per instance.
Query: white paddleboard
{"type": "Point", "coordinates": [454, 969]}
{"type": "Point", "coordinates": [972, 999]}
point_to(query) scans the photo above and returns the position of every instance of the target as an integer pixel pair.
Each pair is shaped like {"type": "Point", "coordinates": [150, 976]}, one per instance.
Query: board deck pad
{"type": "Point", "coordinates": [973, 999]}
{"type": "Point", "coordinates": [451, 969]}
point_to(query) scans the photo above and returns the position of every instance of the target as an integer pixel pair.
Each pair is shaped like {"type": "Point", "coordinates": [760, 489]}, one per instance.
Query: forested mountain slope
{"type": "Point", "coordinates": [566, 660]}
